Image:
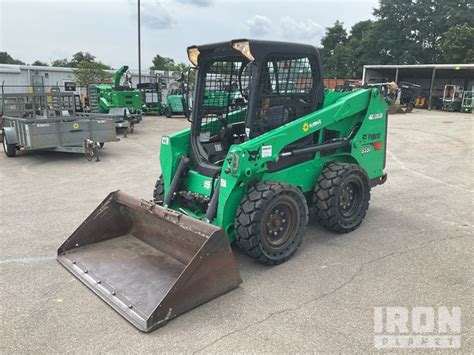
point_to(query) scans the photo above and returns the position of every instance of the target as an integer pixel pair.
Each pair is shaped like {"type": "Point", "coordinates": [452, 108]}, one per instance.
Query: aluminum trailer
{"type": "Point", "coordinates": [44, 122]}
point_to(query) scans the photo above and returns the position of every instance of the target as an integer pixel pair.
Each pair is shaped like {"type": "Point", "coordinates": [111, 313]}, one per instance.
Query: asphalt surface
{"type": "Point", "coordinates": [415, 248]}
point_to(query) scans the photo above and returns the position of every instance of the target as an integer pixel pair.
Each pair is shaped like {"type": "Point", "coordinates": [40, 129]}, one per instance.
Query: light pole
{"type": "Point", "coordinates": [139, 48]}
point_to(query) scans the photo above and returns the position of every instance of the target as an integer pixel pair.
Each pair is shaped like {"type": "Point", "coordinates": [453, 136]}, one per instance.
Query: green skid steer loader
{"type": "Point", "coordinates": [246, 174]}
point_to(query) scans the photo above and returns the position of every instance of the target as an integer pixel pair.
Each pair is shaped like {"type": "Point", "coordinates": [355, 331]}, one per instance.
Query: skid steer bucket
{"type": "Point", "coordinates": [148, 262]}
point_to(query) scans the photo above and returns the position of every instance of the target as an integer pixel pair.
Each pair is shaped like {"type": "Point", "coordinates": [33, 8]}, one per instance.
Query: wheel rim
{"type": "Point", "coordinates": [279, 224]}
{"type": "Point", "coordinates": [351, 197]}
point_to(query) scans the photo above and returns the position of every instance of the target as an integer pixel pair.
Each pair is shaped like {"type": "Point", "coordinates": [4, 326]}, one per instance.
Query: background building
{"type": "Point", "coordinates": [24, 78]}
{"type": "Point", "coordinates": [431, 77]}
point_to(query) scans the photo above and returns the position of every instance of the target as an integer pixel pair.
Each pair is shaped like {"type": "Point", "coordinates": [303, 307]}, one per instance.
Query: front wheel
{"type": "Point", "coordinates": [341, 197]}
{"type": "Point", "coordinates": [169, 112]}
{"type": "Point", "coordinates": [271, 221]}
{"type": "Point", "coordinates": [9, 149]}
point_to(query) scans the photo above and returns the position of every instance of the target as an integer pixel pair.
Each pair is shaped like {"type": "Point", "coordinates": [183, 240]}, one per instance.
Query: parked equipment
{"type": "Point", "coordinates": [152, 97]}
{"type": "Point", "coordinates": [452, 97]}
{"type": "Point", "coordinates": [247, 175]}
{"type": "Point", "coordinates": [408, 94]}
{"type": "Point", "coordinates": [467, 102]}
{"type": "Point", "coordinates": [177, 100]}
{"type": "Point", "coordinates": [30, 123]}
{"type": "Point", "coordinates": [119, 96]}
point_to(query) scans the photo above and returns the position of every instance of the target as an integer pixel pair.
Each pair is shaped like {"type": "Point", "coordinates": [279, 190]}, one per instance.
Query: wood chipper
{"type": "Point", "coordinates": [244, 173]}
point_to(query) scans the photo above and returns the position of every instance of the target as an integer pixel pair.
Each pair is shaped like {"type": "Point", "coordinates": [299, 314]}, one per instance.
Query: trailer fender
{"type": "Point", "coordinates": [9, 134]}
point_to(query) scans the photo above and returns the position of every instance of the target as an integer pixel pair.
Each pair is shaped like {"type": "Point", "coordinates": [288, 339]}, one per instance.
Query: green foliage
{"type": "Point", "coordinates": [40, 63]}
{"type": "Point", "coordinates": [91, 72]}
{"type": "Point", "coordinates": [63, 63]}
{"type": "Point", "coordinates": [168, 64]}
{"type": "Point", "coordinates": [163, 63]}
{"type": "Point", "coordinates": [457, 45]}
{"type": "Point", "coordinates": [404, 32]}
{"type": "Point", "coordinates": [77, 59]}
{"type": "Point", "coordinates": [6, 58]}
{"type": "Point", "coordinates": [80, 57]}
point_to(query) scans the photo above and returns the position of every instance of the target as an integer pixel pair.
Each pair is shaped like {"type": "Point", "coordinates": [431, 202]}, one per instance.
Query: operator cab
{"type": "Point", "coordinates": [245, 88]}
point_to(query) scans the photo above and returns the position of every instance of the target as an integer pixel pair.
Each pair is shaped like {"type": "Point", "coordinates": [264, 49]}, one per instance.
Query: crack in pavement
{"type": "Point", "coordinates": [324, 295]}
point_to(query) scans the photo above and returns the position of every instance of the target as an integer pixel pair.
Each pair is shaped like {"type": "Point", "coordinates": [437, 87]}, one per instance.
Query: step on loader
{"type": "Point", "coordinates": [246, 173]}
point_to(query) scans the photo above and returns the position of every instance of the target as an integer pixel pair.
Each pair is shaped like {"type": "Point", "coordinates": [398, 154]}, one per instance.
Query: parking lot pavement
{"type": "Point", "coordinates": [415, 248]}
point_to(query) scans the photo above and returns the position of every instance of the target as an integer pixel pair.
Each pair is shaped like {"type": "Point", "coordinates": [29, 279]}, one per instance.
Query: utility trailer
{"type": "Point", "coordinates": [43, 122]}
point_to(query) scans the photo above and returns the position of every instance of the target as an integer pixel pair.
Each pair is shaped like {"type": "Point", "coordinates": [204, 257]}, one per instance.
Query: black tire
{"type": "Point", "coordinates": [271, 221]}
{"type": "Point", "coordinates": [341, 197]}
{"type": "Point", "coordinates": [9, 149]}
{"type": "Point", "coordinates": [169, 112]}
{"type": "Point", "coordinates": [159, 191]}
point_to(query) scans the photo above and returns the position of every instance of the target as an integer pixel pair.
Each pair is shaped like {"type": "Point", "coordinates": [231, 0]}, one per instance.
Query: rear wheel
{"type": "Point", "coordinates": [169, 112]}
{"type": "Point", "coordinates": [271, 221]}
{"type": "Point", "coordinates": [9, 149]}
{"type": "Point", "coordinates": [341, 197]}
{"type": "Point", "coordinates": [159, 191]}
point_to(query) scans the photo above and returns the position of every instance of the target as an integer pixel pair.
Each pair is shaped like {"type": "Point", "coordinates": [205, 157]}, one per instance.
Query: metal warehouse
{"type": "Point", "coordinates": [18, 78]}
{"type": "Point", "coordinates": [431, 77]}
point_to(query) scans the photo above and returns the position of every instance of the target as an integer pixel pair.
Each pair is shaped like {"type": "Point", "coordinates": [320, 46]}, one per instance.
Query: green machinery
{"type": "Point", "coordinates": [152, 96]}
{"type": "Point", "coordinates": [452, 97]}
{"type": "Point", "coordinates": [177, 102]}
{"type": "Point", "coordinates": [246, 175]}
{"type": "Point", "coordinates": [467, 102]}
{"type": "Point", "coordinates": [103, 97]}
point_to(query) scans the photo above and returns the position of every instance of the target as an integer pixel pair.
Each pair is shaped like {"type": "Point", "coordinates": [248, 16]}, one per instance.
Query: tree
{"type": "Point", "coordinates": [409, 32]}
{"type": "Point", "coordinates": [333, 51]}
{"type": "Point", "coordinates": [40, 63]}
{"type": "Point", "coordinates": [163, 63]}
{"type": "Point", "coordinates": [80, 57]}
{"type": "Point", "coordinates": [91, 72]}
{"type": "Point", "coordinates": [6, 58]}
{"type": "Point", "coordinates": [456, 45]}
{"type": "Point", "coordinates": [181, 67]}
{"type": "Point", "coordinates": [77, 59]}
{"type": "Point", "coordinates": [64, 63]}
{"type": "Point", "coordinates": [335, 35]}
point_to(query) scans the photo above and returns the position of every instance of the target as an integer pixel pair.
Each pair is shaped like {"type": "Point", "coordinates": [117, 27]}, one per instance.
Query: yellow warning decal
{"type": "Point", "coordinates": [305, 127]}
{"type": "Point", "coordinates": [75, 125]}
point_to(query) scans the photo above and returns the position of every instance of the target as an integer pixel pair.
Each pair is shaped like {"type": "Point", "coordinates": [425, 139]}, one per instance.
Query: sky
{"type": "Point", "coordinates": [48, 30]}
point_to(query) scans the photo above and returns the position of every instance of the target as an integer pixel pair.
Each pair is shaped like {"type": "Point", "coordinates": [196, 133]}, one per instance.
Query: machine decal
{"type": "Point", "coordinates": [207, 184]}
{"type": "Point", "coordinates": [315, 124]}
{"type": "Point", "coordinates": [75, 125]}
{"type": "Point", "coordinates": [266, 151]}
{"type": "Point", "coordinates": [305, 127]}
{"type": "Point", "coordinates": [376, 116]}
{"type": "Point", "coordinates": [223, 183]}
{"type": "Point", "coordinates": [371, 136]}
{"type": "Point", "coordinates": [165, 140]}
{"type": "Point", "coordinates": [365, 150]}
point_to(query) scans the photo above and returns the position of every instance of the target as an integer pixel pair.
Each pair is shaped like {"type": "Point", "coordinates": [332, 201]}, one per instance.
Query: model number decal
{"type": "Point", "coordinates": [376, 116]}
{"type": "Point", "coordinates": [365, 150]}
